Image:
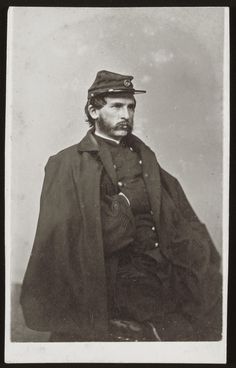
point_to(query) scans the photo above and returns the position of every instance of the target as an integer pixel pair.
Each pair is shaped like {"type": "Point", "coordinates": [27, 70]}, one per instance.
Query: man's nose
{"type": "Point", "coordinates": [125, 113]}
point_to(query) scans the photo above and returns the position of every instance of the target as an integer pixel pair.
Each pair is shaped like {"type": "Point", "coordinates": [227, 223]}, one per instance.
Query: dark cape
{"type": "Point", "coordinates": [65, 289]}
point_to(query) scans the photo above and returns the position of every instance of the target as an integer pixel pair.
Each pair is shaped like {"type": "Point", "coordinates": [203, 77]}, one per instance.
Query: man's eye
{"type": "Point", "coordinates": [131, 108]}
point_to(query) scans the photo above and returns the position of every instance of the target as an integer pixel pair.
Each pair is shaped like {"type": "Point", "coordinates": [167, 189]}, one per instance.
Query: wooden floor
{"type": "Point", "coordinates": [19, 331]}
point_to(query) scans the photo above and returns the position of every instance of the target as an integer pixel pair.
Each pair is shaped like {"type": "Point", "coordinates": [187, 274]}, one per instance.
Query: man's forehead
{"type": "Point", "coordinates": [121, 98]}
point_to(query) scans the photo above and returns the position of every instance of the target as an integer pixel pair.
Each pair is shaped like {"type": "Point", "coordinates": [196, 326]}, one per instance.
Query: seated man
{"type": "Point", "coordinates": [119, 254]}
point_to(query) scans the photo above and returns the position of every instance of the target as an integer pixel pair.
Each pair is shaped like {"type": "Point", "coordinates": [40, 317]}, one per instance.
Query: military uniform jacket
{"type": "Point", "coordinates": [64, 288]}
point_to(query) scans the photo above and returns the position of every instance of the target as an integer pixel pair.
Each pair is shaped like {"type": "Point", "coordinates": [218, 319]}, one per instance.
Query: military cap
{"type": "Point", "coordinates": [109, 82]}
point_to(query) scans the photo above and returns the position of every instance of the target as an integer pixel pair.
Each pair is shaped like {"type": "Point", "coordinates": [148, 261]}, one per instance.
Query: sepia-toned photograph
{"type": "Point", "coordinates": [117, 184]}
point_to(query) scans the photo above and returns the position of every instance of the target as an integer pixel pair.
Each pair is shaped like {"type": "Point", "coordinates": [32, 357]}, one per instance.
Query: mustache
{"type": "Point", "coordinates": [124, 125]}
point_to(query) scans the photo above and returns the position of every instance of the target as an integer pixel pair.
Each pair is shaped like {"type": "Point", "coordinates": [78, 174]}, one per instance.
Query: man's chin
{"type": "Point", "coordinates": [122, 132]}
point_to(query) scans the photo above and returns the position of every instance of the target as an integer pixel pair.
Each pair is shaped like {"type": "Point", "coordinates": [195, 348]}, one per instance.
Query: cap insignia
{"type": "Point", "coordinates": [127, 83]}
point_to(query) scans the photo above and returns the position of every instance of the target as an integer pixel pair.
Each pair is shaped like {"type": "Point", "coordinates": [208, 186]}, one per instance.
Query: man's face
{"type": "Point", "coordinates": [115, 119]}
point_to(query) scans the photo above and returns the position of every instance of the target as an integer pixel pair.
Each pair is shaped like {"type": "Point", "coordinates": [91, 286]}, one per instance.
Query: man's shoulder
{"type": "Point", "coordinates": [166, 176]}
{"type": "Point", "coordinates": [65, 152]}
{"type": "Point", "coordinates": [142, 144]}
{"type": "Point", "coordinates": [64, 156]}
{"type": "Point", "coordinates": [138, 143]}
{"type": "Point", "coordinates": [169, 178]}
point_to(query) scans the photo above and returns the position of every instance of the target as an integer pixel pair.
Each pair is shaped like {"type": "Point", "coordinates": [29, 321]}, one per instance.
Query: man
{"type": "Point", "coordinates": [119, 254]}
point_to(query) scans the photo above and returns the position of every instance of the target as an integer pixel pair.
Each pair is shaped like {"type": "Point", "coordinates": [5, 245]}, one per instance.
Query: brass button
{"type": "Point", "coordinates": [140, 161]}
{"type": "Point", "coordinates": [156, 245]}
{"type": "Point", "coordinates": [151, 212]}
{"type": "Point", "coordinates": [120, 183]}
{"type": "Point", "coordinates": [131, 149]}
{"type": "Point", "coordinates": [114, 166]}
{"type": "Point", "coordinates": [153, 228]}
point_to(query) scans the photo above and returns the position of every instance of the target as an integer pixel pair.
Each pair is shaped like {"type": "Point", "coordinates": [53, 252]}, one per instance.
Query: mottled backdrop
{"type": "Point", "coordinates": [176, 54]}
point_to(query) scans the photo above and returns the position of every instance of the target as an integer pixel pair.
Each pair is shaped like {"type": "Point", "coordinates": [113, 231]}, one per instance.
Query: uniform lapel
{"type": "Point", "coordinates": [90, 144]}
{"type": "Point", "coordinates": [106, 159]}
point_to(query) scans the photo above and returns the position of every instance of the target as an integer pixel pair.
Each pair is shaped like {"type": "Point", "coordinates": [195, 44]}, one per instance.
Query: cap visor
{"type": "Point", "coordinates": [125, 90]}
{"type": "Point", "coordinates": [136, 91]}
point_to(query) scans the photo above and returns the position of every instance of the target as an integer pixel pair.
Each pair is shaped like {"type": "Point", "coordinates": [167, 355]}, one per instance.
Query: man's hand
{"type": "Point", "coordinates": [118, 223]}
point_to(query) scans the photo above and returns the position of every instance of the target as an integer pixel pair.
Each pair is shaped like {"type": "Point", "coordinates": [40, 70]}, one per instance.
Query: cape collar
{"type": "Point", "coordinates": [90, 144]}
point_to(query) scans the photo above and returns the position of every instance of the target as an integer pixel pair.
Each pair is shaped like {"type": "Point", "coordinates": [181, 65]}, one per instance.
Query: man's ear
{"type": "Point", "coordinates": [93, 112]}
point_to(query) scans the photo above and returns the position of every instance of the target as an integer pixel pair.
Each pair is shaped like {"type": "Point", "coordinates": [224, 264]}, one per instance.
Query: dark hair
{"type": "Point", "coordinates": [98, 102]}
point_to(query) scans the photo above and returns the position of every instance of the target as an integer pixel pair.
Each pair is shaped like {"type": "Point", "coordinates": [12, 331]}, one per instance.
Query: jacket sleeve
{"type": "Point", "coordinates": [118, 225]}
